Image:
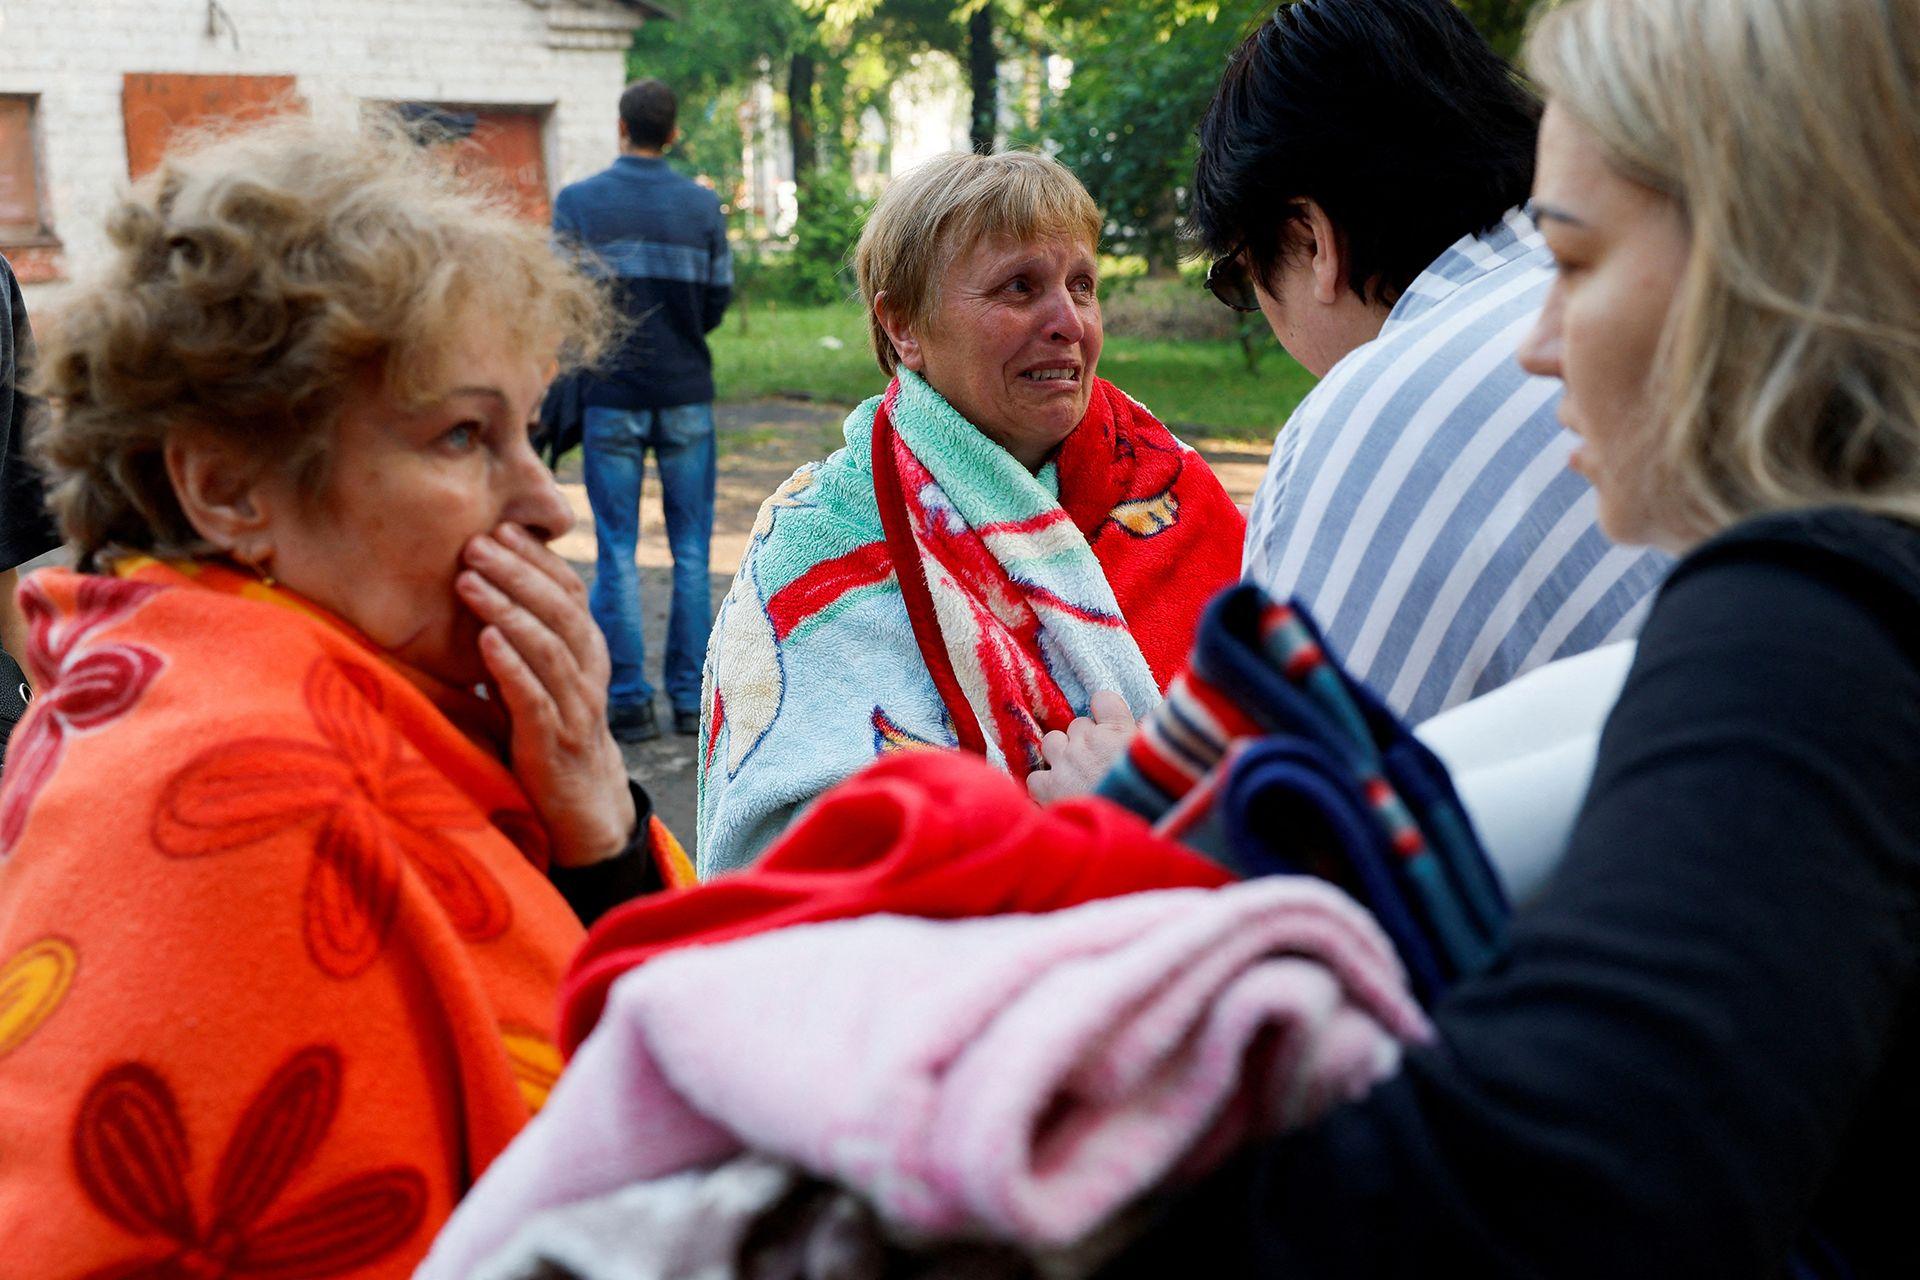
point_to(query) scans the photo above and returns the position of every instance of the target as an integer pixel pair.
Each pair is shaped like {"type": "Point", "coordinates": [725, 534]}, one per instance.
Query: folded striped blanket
{"type": "Point", "coordinates": [922, 588]}
{"type": "Point", "coordinates": [1269, 758]}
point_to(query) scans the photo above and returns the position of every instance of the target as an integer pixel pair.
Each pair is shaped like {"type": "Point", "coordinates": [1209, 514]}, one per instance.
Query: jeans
{"type": "Point", "coordinates": [615, 449]}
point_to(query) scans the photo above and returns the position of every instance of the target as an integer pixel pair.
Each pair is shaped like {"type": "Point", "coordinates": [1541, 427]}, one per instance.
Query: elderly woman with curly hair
{"type": "Point", "coordinates": [289, 841]}
{"type": "Point", "coordinates": [1010, 554]}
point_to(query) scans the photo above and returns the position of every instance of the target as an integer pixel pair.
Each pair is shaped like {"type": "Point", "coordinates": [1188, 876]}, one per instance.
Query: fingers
{"type": "Point", "coordinates": [522, 692]}
{"type": "Point", "coordinates": [1109, 708]}
{"type": "Point", "coordinates": [537, 553]}
{"type": "Point", "coordinates": [576, 785]}
{"type": "Point", "coordinates": [548, 660]}
{"type": "Point", "coordinates": [1055, 748]}
{"type": "Point", "coordinates": [1043, 785]}
{"type": "Point", "coordinates": [520, 568]}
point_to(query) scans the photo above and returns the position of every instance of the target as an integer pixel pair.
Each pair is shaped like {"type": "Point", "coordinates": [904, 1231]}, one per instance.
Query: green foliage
{"type": "Point", "coordinates": [831, 214]}
{"type": "Point", "coordinates": [1200, 388]}
{"type": "Point", "coordinates": [709, 56]}
{"type": "Point", "coordinates": [1502, 22]}
{"type": "Point", "coordinates": [717, 45]}
{"type": "Point", "coordinates": [1142, 78]}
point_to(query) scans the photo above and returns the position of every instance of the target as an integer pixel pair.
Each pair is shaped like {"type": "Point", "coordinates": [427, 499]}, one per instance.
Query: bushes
{"type": "Point", "coordinates": [815, 266]}
{"type": "Point", "coordinates": [1163, 307]}
{"type": "Point", "coordinates": [1179, 308]}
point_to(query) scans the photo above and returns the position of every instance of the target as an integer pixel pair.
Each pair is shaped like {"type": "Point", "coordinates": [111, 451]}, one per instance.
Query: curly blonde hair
{"type": "Point", "coordinates": [256, 280]}
{"type": "Point", "coordinates": [938, 210]}
{"type": "Point", "coordinates": [1788, 131]}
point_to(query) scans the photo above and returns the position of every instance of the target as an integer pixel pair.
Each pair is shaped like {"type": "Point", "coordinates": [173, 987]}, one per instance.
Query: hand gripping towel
{"type": "Point", "coordinates": [1020, 1078]}
{"type": "Point", "coordinates": [922, 588]}
{"type": "Point", "coordinates": [922, 833]}
{"type": "Point", "coordinates": [1326, 780]}
{"type": "Point", "coordinates": [277, 947]}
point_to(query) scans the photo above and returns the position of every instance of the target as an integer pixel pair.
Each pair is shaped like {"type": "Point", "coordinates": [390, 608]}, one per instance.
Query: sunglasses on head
{"type": "Point", "coordinates": [1229, 280]}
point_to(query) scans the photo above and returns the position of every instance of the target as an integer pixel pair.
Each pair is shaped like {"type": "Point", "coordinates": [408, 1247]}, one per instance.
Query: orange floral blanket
{"type": "Point", "coordinates": [278, 953]}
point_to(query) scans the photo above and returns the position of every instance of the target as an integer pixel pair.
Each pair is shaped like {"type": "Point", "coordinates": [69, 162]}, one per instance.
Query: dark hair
{"type": "Point", "coordinates": [1395, 116]}
{"type": "Point", "coordinates": [648, 110]}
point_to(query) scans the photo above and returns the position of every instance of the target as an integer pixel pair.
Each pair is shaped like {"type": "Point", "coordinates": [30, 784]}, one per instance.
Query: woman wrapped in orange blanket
{"type": "Point", "coordinates": [296, 841]}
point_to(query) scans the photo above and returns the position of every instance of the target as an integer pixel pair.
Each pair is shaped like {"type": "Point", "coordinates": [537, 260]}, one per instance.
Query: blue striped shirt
{"type": "Point", "coordinates": [1419, 499]}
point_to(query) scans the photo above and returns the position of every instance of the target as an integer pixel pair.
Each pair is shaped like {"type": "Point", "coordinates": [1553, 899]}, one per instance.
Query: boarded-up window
{"type": "Point", "coordinates": [504, 146]}
{"type": "Point", "coordinates": [508, 143]}
{"type": "Point", "coordinates": [22, 217]}
{"type": "Point", "coordinates": [156, 107]}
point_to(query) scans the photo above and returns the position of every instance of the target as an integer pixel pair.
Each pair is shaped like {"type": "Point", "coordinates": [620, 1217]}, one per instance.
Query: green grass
{"type": "Point", "coordinates": [1200, 387]}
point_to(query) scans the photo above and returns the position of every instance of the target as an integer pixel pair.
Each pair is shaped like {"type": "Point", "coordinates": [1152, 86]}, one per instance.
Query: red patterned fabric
{"type": "Point", "coordinates": [133, 1159]}
{"type": "Point", "coordinates": [1164, 533]}
{"type": "Point", "coordinates": [277, 948]}
{"type": "Point", "coordinates": [922, 833]}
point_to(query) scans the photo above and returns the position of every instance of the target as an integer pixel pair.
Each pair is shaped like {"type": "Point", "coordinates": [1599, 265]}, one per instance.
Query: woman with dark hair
{"type": "Point", "coordinates": [1361, 172]}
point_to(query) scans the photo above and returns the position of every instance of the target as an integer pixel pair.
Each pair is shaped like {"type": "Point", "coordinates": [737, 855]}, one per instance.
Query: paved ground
{"type": "Point", "coordinates": [760, 445]}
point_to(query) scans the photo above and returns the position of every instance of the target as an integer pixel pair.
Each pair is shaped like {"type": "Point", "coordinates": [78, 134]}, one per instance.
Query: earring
{"type": "Point", "coordinates": [262, 568]}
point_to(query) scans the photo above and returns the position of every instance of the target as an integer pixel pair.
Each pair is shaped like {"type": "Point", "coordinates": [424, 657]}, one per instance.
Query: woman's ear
{"type": "Point", "coordinates": [1328, 253]}
{"type": "Point", "coordinates": [900, 333]}
{"type": "Point", "coordinates": [219, 490]}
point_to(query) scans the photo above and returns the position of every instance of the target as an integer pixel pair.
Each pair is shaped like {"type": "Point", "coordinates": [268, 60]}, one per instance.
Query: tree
{"type": "Point", "coordinates": [801, 129]}
{"type": "Point", "coordinates": [1142, 78]}
{"type": "Point", "coordinates": [1502, 22]}
{"type": "Point", "coordinates": [983, 78]}
{"type": "Point", "coordinates": [710, 56]}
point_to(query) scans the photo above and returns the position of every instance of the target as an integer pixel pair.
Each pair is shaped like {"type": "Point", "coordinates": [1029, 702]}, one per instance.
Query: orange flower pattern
{"type": "Point", "coordinates": [372, 807]}
{"type": "Point", "coordinates": [32, 985]}
{"type": "Point", "coordinates": [131, 1154]}
{"type": "Point", "coordinates": [534, 1061]}
{"type": "Point", "coordinates": [86, 686]}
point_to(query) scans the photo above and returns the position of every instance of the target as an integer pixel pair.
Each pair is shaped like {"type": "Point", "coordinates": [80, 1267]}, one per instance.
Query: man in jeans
{"type": "Point", "coordinates": [662, 240]}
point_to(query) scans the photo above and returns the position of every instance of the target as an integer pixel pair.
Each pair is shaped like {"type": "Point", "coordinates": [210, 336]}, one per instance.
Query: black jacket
{"type": "Point", "coordinates": [1702, 1055]}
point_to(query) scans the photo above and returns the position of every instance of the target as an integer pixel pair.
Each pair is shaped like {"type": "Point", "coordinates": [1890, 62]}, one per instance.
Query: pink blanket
{"type": "Point", "coordinates": [1021, 1078]}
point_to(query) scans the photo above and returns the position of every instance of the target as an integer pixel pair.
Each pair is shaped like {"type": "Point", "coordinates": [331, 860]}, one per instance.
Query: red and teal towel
{"type": "Point", "coordinates": [1024, 595]}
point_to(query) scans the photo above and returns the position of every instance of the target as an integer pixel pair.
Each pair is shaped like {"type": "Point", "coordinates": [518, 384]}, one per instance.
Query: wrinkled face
{"type": "Point", "coordinates": [1013, 341]}
{"type": "Point", "coordinates": [408, 486]}
{"type": "Point", "coordinates": [1621, 249]}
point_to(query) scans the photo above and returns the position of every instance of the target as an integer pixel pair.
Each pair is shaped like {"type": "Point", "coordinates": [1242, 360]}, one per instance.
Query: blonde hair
{"type": "Point", "coordinates": [256, 279]}
{"type": "Point", "coordinates": [1788, 131]}
{"type": "Point", "coordinates": [937, 210]}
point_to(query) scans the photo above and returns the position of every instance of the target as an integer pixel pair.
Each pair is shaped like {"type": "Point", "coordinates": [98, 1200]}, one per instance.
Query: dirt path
{"type": "Point", "coordinates": [761, 443]}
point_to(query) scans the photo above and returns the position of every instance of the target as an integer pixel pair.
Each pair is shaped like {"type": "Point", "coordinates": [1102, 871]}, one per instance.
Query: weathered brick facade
{"type": "Point", "coordinates": [561, 60]}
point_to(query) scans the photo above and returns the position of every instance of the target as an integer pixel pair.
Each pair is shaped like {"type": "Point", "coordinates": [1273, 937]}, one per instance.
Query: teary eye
{"type": "Point", "coordinates": [461, 436]}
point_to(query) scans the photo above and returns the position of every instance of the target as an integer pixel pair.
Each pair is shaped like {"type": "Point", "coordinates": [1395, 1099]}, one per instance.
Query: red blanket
{"type": "Point", "coordinates": [985, 570]}
{"type": "Point", "coordinates": [922, 833]}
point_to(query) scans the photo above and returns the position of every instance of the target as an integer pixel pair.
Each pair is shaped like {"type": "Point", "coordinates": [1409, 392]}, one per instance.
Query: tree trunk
{"type": "Point", "coordinates": [1163, 238]}
{"type": "Point", "coordinates": [800, 129]}
{"type": "Point", "coordinates": [983, 73]}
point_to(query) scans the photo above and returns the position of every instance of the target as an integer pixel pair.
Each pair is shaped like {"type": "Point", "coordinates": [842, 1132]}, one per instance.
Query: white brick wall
{"type": "Point", "coordinates": [565, 54]}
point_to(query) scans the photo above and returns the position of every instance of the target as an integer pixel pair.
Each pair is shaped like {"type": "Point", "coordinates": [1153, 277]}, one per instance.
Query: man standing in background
{"type": "Point", "coordinates": [662, 240]}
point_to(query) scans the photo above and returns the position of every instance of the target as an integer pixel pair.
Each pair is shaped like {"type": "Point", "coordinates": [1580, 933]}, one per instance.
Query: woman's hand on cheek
{"type": "Point", "coordinates": [1079, 757]}
{"type": "Point", "coordinates": [550, 665]}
